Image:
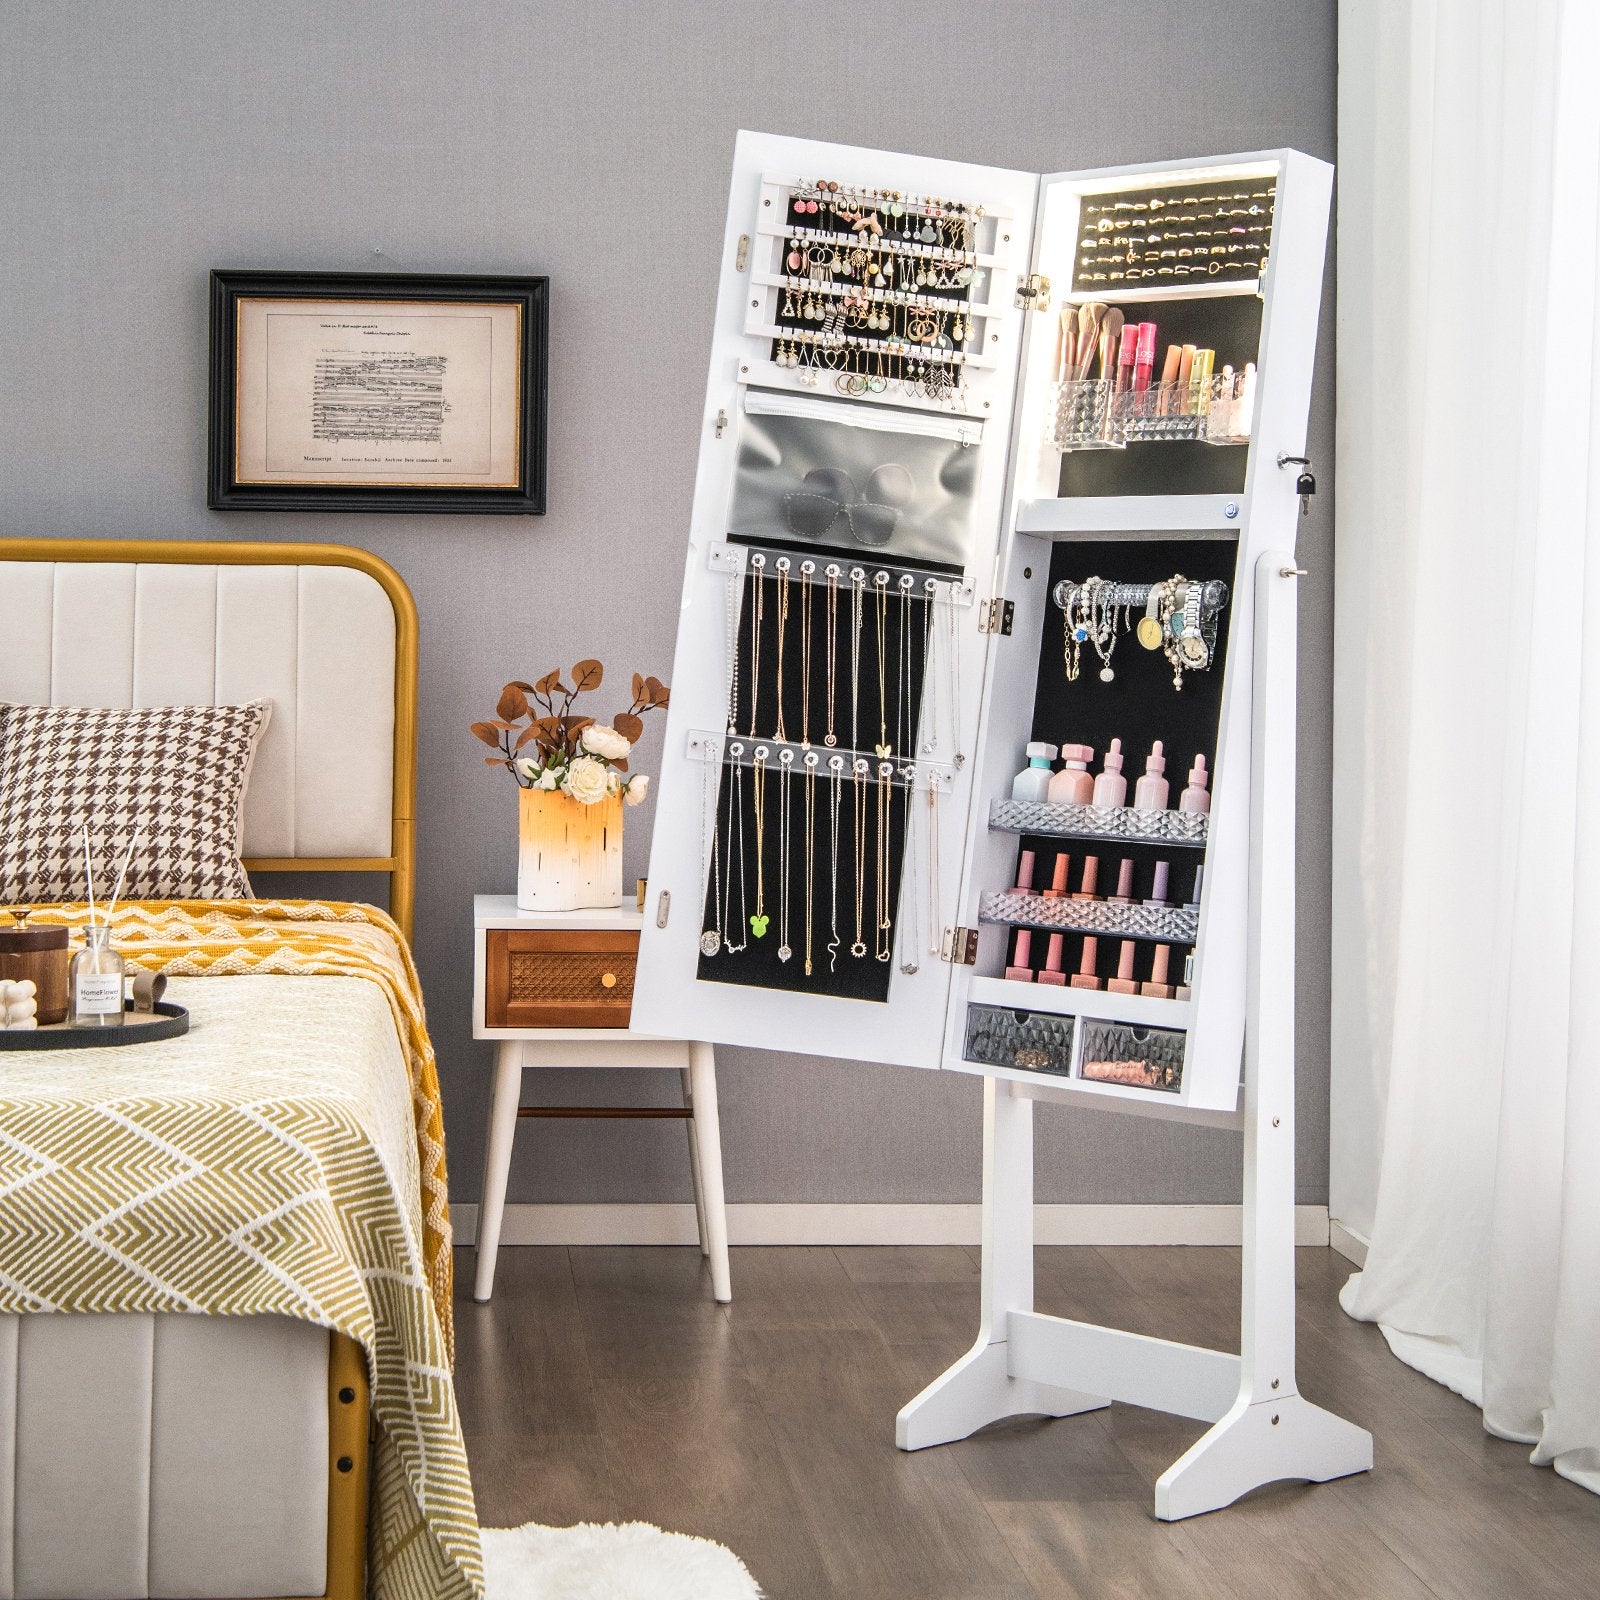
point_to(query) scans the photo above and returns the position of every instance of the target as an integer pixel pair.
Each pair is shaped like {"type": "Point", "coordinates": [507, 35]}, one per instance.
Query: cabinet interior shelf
{"type": "Point", "coordinates": [1103, 918]}
{"type": "Point", "coordinates": [1127, 824]}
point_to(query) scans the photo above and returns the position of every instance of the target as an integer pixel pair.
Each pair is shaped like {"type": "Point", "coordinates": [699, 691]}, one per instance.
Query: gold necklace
{"type": "Point", "coordinates": [785, 760]}
{"type": "Point", "coordinates": [806, 569]}
{"type": "Point", "coordinates": [758, 788]}
{"type": "Point", "coordinates": [757, 563]}
{"type": "Point", "coordinates": [881, 582]}
{"type": "Point", "coordinates": [783, 620]}
{"type": "Point", "coordinates": [832, 636]}
{"type": "Point", "coordinates": [810, 844]}
{"type": "Point", "coordinates": [883, 941]}
{"type": "Point", "coordinates": [836, 770]}
{"type": "Point", "coordinates": [858, 579]}
{"type": "Point", "coordinates": [859, 798]}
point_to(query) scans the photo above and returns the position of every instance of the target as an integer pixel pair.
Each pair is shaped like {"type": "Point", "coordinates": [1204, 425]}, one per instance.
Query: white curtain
{"type": "Point", "coordinates": [1467, 700]}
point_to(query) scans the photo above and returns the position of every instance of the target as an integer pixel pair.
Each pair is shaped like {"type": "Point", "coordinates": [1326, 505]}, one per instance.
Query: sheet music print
{"type": "Point", "coordinates": [392, 399]}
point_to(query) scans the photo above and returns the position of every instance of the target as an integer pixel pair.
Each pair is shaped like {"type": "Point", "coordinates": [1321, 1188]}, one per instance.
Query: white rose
{"type": "Point", "coordinates": [528, 769]}
{"type": "Point", "coordinates": [638, 788]}
{"type": "Point", "coordinates": [546, 779]}
{"type": "Point", "coordinates": [613, 780]}
{"type": "Point", "coordinates": [600, 740]}
{"type": "Point", "coordinates": [585, 780]}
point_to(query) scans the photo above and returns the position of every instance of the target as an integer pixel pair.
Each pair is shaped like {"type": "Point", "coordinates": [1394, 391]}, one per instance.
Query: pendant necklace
{"type": "Point", "coordinates": [902, 714]}
{"type": "Point", "coordinates": [810, 845]}
{"type": "Point", "coordinates": [953, 667]}
{"type": "Point", "coordinates": [858, 580]}
{"type": "Point", "coordinates": [935, 904]}
{"type": "Point", "coordinates": [883, 942]}
{"type": "Point", "coordinates": [735, 586]}
{"type": "Point", "coordinates": [835, 771]}
{"type": "Point", "coordinates": [710, 938]}
{"type": "Point", "coordinates": [806, 569]}
{"type": "Point", "coordinates": [758, 792]}
{"type": "Point", "coordinates": [736, 809]}
{"type": "Point", "coordinates": [859, 799]}
{"type": "Point", "coordinates": [908, 960]}
{"type": "Point", "coordinates": [785, 765]}
{"type": "Point", "coordinates": [830, 738]}
{"type": "Point", "coordinates": [783, 623]}
{"type": "Point", "coordinates": [881, 584]}
{"type": "Point", "coordinates": [757, 564]}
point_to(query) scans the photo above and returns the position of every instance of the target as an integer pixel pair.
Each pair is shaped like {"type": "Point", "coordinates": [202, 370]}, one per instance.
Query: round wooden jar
{"type": "Point", "coordinates": [39, 953]}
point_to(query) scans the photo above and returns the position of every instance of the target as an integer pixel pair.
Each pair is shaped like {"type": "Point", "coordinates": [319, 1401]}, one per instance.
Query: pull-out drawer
{"type": "Point", "coordinates": [559, 978]}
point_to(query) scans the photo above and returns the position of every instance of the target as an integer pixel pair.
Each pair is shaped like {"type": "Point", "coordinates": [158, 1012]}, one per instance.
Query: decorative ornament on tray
{"type": "Point", "coordinates": [574, 783]}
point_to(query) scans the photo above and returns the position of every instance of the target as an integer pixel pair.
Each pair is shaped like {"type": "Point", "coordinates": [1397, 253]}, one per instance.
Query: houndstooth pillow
{"type": "Point", "coordinates": [176, 773]}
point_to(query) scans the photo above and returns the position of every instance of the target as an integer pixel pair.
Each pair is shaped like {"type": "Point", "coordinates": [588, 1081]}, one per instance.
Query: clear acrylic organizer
{"type": "Point", "coordinates": [1140, 1058]}
{"type": "Point", "coordinates": [1228, 415]}
{"type": "Point", "coordinates": [1164, 413]}
{"type": "Point", "coordinates": [1084, 416]}
{"type": "Point", "coordinates": [1034, 1041]}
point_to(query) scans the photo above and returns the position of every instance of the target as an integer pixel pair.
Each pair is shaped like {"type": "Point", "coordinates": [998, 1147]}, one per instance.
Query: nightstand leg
{"type": "Point", "coordinates": [708, 1139]}
{"type": "Point", "coordinates": [497, 1161]}
{"type": "Point", "coordinates": [694, 1166]}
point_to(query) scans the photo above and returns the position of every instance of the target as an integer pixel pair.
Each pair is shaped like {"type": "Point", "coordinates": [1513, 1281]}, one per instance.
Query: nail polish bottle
{"type": "Point", "coordinates": [1091, 871]}
{"type": "Point", "coordinates": [1158, 988]}
{"type": "Point", "coordinates": [1185, 989]}
{"type": "Point", "coordinates": [1150, 793]}
{"type": "Point", "coordinates": [1196, 797]}
{"type": "Point", "coordinates": [1020, 971]}
{"type": "Point", "coordinates": [1058, 878]}
{"type": "Point", "coordinates": [1124, 894]}
{"type": "Point", "coordinates": [1051, 971]}
{"type": "Point", "coordinates": [1158, 889]}
{"type": "Point", "coordinates": [1033, 782]}
{"type": "Point", "coordinates": [1073, 785]}
{"type": "Point", "coordinates": [1111, 787]}
{"type": "Point", "coordinates": [1024, 883]}
{"type": "Point", "coordinates": [1084, 977]}
{"type": "Point", "coordinates": [1193, 902]}
{"type": "Point", "coordinates": [1123, 982]}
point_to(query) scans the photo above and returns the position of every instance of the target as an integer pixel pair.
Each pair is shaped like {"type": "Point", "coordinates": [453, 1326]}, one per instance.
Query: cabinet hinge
{"type": "Point", "coordinates": [995, 616]}
{"type": "Point", "coordinates": [1033, 293]}
{"type": "Point", "coordinates": [722, 422]}
{"type": "Point", "coordinates": [663, 907]}
{"type": "Point", "coordinates": [959, 947]}
{"type": "Point", "coordinates": [742, 256]}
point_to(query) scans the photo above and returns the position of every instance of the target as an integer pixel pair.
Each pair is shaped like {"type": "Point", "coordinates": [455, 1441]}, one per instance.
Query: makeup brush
{"type": "Point", "coordinates": [1066, 341]}
{"type": "Point", "coordinates": [1089, 315]}
{"type": "Point", "coordinates": [1110, 339]}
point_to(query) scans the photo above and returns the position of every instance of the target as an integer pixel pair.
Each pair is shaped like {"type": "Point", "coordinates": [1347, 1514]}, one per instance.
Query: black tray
{"type": "Point", "coordinates": [167, 1022]}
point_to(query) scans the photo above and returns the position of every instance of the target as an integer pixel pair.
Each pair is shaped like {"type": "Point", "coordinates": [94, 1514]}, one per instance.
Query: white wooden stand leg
{"type": "Point", "coordinates": [1270, 1432]}
{"type": "Point", "coordinates": [980, 1388]}
{"type": "Point", "coordinates": [503, 1103]}
{"type": "Point", "coordinates": [1262, 1430]}
{"type": "Point", "coordinates": [694, 1164]}
{"type": "Point", "coordinates": [707, 1134]}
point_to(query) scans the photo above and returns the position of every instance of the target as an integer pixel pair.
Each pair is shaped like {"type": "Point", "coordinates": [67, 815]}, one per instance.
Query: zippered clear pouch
{"type": "Point", "coordinates": [855, 477]}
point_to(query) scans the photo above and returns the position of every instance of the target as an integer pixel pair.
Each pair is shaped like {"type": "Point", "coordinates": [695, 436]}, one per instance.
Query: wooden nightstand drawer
{"type": "Point", "coordinates": [555, 978]}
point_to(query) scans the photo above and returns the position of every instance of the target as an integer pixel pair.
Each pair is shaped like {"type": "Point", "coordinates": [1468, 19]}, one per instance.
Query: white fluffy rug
{"type": "Point", "coordinates": [610, 1561]}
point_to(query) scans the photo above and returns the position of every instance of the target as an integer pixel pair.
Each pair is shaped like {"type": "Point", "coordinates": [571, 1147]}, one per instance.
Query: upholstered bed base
{"type": "Point", "coordinates": [156, 1457]}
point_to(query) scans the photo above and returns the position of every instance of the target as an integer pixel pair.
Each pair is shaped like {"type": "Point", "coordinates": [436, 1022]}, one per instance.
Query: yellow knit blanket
{"type": "Point", "coordinates": [348, 1261]}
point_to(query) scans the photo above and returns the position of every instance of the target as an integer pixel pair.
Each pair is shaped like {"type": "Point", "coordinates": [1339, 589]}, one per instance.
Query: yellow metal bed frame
{"type": "Point", "coordinates": [349, 1415]}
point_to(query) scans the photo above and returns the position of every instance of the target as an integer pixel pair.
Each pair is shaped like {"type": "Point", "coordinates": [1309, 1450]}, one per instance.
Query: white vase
{"type": "Point", "coordinates": [570, 855]}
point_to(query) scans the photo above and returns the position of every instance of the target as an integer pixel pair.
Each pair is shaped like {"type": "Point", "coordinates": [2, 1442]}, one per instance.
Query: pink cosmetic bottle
{"type": "Point", "coordinates": [1024, 883]}
{"type": "Point", "coordinates": [1196, 797]}
{"type": "Point", "coordinates": [1111, 788]}
{"type": "Point", "coordinates": [1158, 889]}
{"type": "Point", "coordinates": [1020, 971]}
{"type": "Point", "coordinates": [1058, 878]}
{"type": "Point", "coordinates": [1124, 894]}
{"type": "Point", "coordinates": [1084, 977]}
{"type": "Point", "coordinates": [1158, 988]}
{"type": "Point", "coordinates": [1123, 982]}
{"type": "Point", "coordinates": [1091, 872]}
{"type": "Point", "coordinates": [1051, 971]}
{"type": "Point", "coordinates": [1150, 793]}
{"type": "Point", "coordinates": [1073, 785]}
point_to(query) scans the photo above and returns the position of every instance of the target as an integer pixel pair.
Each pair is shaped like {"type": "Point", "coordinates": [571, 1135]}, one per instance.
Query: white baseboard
{"type": "Point", "coordinates": [875, 1224]}
{"type": "Point", "coordinates": [1351, 1245]}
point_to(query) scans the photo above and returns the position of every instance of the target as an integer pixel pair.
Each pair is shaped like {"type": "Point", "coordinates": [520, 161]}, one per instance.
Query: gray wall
{"type": "Point", "coordinates": [141, 145]}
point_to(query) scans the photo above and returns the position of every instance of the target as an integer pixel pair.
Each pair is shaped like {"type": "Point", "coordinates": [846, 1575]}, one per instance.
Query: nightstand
{"type": "Point", "coordinates": [554, 989]}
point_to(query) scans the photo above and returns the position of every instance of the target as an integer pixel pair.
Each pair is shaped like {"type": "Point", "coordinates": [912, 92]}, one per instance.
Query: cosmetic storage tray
{"type": "Point", "coordinates": [168, 1021]}
{"type": "Point", "coordinates": [1099, 822]}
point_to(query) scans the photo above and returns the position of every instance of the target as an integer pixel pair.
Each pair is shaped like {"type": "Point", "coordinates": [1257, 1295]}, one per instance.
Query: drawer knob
{"type": "Point", "coordinates": [608, 980]}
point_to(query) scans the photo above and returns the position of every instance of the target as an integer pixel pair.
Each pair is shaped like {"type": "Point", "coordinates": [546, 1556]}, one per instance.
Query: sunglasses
{"type": "Point", "coordinates": [870, 514]}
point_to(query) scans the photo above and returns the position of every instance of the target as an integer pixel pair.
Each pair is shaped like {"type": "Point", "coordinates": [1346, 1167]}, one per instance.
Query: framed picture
{"type": "Point", "coordinates": [346, 391]}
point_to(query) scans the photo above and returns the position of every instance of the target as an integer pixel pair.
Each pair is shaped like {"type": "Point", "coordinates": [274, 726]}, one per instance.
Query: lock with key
{"type": "Point", "coordinates": [1305, 485]}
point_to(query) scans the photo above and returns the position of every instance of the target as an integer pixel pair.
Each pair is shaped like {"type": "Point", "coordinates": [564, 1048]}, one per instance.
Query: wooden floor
{"type": "Point", "coordinates": [603, 1384]}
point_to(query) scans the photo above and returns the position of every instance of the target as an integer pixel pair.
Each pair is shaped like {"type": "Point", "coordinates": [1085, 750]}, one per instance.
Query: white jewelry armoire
{"type": "Point", "coordinates": [942, 513]}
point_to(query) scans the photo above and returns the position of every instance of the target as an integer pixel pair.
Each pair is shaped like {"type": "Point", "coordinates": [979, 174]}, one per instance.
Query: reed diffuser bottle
{"type": "Point", "coordinates": [97, 980]}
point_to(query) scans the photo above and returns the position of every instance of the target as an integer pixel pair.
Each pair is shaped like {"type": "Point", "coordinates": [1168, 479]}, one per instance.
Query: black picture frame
{"type": "Point", "coordinates": [224, 491]}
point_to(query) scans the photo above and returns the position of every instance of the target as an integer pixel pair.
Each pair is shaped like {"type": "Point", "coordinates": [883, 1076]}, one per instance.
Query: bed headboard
{"type": "Point", "coordinates": [326, 632]}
